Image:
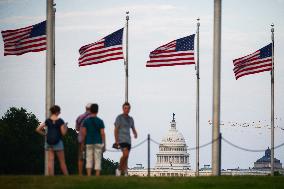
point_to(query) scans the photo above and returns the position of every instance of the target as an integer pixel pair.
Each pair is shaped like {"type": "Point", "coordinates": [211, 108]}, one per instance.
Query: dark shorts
{"type": "Point", "coordinates": [56, 147]}
{"type": "Point", "coordinates": [125, 145]}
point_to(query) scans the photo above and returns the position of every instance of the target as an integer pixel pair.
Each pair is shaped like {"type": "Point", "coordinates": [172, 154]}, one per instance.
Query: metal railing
{"type": "Point", "coordinates": [149, 140]}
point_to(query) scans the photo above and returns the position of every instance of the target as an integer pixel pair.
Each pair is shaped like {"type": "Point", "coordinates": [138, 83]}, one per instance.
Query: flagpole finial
{"type": "Point", "coordinates": [54, 7]}
{"type": "Point", "coordinates": [127, 15]}
{"type": "Point", "coordinates": [272, 27]}
{"type": "Point", "coordinates": [198, 23]}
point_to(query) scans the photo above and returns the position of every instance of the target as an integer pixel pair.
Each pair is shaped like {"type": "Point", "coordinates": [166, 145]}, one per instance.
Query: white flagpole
{"type": "Point", "coordinates": [126, 58]}
{"type": "Point", "coordinates": [216, 150]}
{"type": "Point", "coordinates": [197, 99]}
{"type": "Point", "coordinates": [272, 102]}
{"type": "Point", "coordinates": [50, 65]}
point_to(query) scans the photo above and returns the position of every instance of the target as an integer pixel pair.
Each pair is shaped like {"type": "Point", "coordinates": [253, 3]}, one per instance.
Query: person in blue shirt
{"type": "Point", "coordinates": [123, 124]}
{"type": "Point", "coordinates": [93, 135]}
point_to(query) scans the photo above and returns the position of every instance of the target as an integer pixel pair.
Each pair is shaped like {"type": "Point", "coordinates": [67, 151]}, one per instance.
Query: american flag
{"type": "Point", "coordinates": [177, 52]}
{"type": "Point", "coordinates": [256, 62]}
{"type": "Point", "coordinates": [107, 49]}
{"type": "Point", "coordinates": [24, 40]}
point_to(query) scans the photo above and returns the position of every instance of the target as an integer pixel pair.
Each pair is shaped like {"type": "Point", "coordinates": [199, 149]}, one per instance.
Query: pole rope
{"type": "Point", "coordinates": [247, 149]}
{"type": "Point", "coordinates": [135, 146]}
{"type": "Point", "coordinates": [203, 146]}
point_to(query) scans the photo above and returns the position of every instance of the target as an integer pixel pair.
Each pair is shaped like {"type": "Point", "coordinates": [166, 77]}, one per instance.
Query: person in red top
{"type": "Point", "coordinates": [81, 146]}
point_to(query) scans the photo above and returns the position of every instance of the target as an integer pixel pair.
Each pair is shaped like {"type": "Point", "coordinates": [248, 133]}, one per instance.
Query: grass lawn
{"type": "Point", "coordinates": [110, 182]}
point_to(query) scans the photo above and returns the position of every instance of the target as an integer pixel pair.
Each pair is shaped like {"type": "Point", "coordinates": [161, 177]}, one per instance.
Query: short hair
{"type": "Point", "coordinates": [94, 108]}
{"type": "Point", "coordinates": [88, 106]}
{"type": "Point", "coordinates": [54, 109]}
{"type": "Point", "coordinates": [126, 104]}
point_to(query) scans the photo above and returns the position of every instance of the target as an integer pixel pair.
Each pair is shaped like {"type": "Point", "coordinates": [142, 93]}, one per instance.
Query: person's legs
{"type": "Point", "coordinates": [89, 158]}
{"type": "Point", "coordinates": [126, 165]}
{"type": "Point", "coordinates": [98, 158]}
{"type": "Point", "coordinates": [89, 171]}
{"type": "Point", "coordinates": [61, 158]}
{"type": "Point", "coordinates": [126, 156]}
{"type": "Point", "coordinates": [80, 159]}
{"type": "Point", "coordinates": [124, 159]}
{"type": "Point", "coordinates": [50, 162]}
{"type": "Point", "coordinates": [121, 162]}
{"type": "Point", "coordinates": [80, 166]}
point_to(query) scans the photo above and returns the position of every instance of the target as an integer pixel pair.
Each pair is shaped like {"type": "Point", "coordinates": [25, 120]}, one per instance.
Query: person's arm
{"type": "Point", "coordinates": [103, 138]}
{"type": "Point", "coordinates": [64, 129]}
{"type": "Point", "coordinates": [116, 134]}
{"type": "Point", "coordinates": [134, 132]}
{"type": "Point", "coordinates": [83, 134]}
{"type": "Point", "coordinates": [77, 125]}
{"type": "Point", "coordinates": [40, 129]}
{"type": "Point", "coordinates": [116, 128]}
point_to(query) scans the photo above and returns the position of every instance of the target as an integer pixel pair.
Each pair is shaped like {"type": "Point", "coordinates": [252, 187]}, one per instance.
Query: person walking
{"type": "Point", "coordinates": [93, 135]}
{"type": "Point", "coordinates": [123, 124]}
{"type": "Point", "coordinates": [81, 146]}
{"type": "Point", "coordinates": [56, 129]}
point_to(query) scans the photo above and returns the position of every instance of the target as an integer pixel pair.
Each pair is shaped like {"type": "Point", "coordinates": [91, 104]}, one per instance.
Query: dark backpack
{"type": "Point", "coordinates": [53, 132]}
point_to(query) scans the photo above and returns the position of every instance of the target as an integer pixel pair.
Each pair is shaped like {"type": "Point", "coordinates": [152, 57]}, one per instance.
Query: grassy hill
{"type": "Point", "coordinates": [110, 182]}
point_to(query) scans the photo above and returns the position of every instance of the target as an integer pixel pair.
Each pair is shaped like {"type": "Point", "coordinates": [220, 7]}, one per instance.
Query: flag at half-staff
{"type": "Point", "coordinates": [260, 61]}
{"type": "Point", "coordinates": [24, 40]}
{"type": "Point", "coordinates": [256, 62]}
{"type": "Point", "coordinates": [107, 49]}
{"type": "Point", "coordinates": [177, 52]}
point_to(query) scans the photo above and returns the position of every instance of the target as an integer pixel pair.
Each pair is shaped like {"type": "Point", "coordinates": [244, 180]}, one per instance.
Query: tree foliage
{"type": "Point", "coordinates": [21, 148]}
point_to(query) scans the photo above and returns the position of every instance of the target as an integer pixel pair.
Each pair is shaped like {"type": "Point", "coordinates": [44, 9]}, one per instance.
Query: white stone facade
{"type": "Point", "coordinates": [173, 153]}
{"type": "Point", "coordinates": [172, 158]}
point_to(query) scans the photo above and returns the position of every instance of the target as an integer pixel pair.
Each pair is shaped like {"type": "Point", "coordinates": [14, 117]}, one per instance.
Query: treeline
{"type": "Point", "coordinates": [22, 149]}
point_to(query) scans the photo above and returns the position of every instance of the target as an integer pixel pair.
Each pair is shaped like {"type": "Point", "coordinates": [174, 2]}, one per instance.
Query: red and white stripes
{"type": "Point", "coordinates": [167, 55]}
{"type": "Point", "coordinates": [97, 53]}
{"type": "Point", "coordinates": [18, 41]}
{"type": "Point", "coordinates": [251, 64]}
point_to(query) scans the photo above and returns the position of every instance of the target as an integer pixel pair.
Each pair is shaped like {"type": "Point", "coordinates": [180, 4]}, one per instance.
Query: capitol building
{"type": "Point", "coordinates": [172, 158]}
{"type": "Point", "coordinates": [173, 151]}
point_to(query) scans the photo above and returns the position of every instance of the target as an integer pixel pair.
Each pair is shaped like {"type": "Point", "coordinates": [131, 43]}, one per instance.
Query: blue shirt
{"type": "Point", "coordinates": [93, 126]}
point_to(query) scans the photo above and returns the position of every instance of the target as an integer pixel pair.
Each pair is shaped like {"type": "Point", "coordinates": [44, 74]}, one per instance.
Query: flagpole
{"type": "Point", "coordinates": [216, 151]}
{"type": "Point", "coordinates": [197, 98]}
{"type": "Point", "coordinates": [50, 66]}
{"type": "Point", "coordinates": [53, 25]}
{"type": "Point", "coordinates": [126, 58]}
{"type": "Point", "coordinates": [272, 102]}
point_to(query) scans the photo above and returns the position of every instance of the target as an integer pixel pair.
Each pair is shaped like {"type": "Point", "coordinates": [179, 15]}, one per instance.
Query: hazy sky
{"type": "Point", "coordinates": [155, 93]}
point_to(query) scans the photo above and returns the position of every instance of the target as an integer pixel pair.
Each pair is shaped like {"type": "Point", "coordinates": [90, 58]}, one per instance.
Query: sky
{"type": "Point", "coordinates": [154, 93]}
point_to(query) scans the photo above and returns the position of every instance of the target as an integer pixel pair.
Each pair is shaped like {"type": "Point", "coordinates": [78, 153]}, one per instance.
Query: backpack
{"type": "Point", "coordinates": [53, 132]}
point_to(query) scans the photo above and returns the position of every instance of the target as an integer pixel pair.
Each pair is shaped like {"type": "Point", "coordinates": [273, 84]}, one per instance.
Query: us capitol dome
{"type": "Point", "coordinates": [172, 158]}
{"type": "Point", "coordinates": [173, 150]}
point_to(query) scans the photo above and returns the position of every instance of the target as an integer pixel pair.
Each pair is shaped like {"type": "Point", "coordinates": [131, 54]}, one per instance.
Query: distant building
{"type": "Point", "coordinates": [172, 158]}
{"type": "Point", "coordinates": [173, 151]}
{"type": "Point", "coordinates": [264, 163]}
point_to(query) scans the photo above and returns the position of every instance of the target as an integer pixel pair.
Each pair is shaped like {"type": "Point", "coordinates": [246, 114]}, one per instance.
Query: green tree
{"type": "Point", "coordinates": [21, 148]}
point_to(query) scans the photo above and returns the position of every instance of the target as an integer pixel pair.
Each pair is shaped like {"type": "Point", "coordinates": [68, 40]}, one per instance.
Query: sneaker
{"type": "Point", "coordinates": [126, 173]}
{"type": "Point", "coordinates": [117, 172]}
